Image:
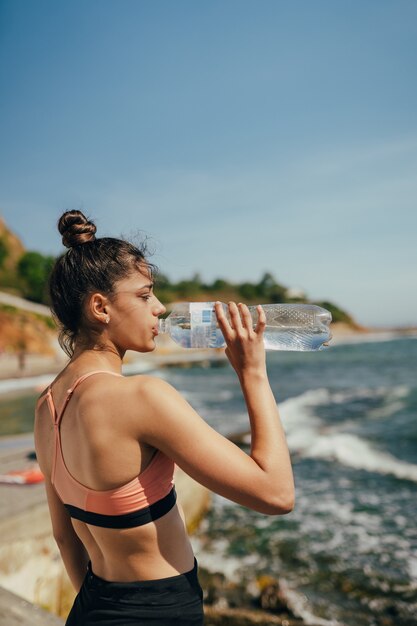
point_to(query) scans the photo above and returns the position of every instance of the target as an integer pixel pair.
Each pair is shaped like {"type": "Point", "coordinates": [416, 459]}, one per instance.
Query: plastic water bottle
{"type": "Point", "coordinates": [288, 326]}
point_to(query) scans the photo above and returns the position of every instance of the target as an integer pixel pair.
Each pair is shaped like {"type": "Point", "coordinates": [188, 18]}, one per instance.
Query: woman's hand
{"type": "Point", "coordinates": [262, 480]}
{"type": "Point", "coordinates": [245, 346]}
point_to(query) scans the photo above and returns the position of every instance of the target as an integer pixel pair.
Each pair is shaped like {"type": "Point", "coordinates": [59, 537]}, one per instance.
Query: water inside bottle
{"type": "Point", "coordinates": [274, 338]}
{"type": "Point", "coordinates": [295, 339]}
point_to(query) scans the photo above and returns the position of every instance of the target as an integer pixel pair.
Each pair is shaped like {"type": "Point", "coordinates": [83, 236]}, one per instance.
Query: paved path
{"type": "Point", "coordinates": [26, 305]}
{"type": "Point", "coordinates": [15, 611]}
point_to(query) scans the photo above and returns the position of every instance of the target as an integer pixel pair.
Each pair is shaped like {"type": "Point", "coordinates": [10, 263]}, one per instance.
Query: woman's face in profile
{"type": "Point", "coordinates": [134, 312]}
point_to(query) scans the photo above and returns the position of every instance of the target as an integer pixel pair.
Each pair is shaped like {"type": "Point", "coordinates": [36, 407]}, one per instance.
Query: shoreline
{"type": "Point", "coordinates": [169, 353]}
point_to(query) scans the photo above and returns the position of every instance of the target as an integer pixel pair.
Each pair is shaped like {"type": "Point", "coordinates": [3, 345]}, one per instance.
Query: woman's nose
{"type": "Point", "coordinates": [160, 308]}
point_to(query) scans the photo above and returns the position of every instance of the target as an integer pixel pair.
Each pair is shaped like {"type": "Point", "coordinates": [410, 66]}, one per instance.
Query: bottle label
{"type": "Point", "coordinates": [203, 323]}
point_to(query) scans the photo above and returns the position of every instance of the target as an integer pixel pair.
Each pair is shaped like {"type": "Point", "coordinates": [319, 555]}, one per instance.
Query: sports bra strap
{"type": "Point", "coordinates": [57, 416]}
{"type": "Point", "coordinates": [84, 376]}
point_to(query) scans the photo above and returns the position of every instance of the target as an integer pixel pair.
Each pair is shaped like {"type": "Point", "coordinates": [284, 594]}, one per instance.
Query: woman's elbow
{"type": "Point", "coordinates": [279, 505]}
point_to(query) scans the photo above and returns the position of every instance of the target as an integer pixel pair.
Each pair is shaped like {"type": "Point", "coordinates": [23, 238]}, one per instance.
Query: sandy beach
{"type": "Point", "coordinates": [168, 352]}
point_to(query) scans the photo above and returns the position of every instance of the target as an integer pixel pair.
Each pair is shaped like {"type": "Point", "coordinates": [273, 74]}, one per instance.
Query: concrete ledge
{"type": "Point", "coordinates": [15, 611]}
{"type": "Point", "coordinates": [30, 563]}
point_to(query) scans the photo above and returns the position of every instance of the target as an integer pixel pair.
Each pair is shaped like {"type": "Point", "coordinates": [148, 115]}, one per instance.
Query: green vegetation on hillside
{"type": "Point", "coordinates": [3, 251]}
{"type": "Point", "coordinates": [27, 272]}
{"type": "Point", "coordinates": [33, 268]}
{"type": "Point", "coordinates": [267, 290]}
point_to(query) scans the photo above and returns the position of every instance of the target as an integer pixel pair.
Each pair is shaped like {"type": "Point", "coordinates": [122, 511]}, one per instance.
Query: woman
{"type": "Point", "coordinates": [107, 444]}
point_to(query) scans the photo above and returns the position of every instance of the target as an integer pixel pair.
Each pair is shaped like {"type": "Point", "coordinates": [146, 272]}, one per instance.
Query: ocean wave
{"type": "Point", "coordinates": [218, 560]}
{"type": "Point", "coordinates": [38, 383]}
{"type": "Point", "coordinates": [392, 399]}
{"type": "Point", "coordinates": [412, 566]}
{"type": "Point", "coordinates": [299, 604]}
{"type": "Point", "coordinates": [310, 437]}
{"type": "Point", "coordinates": [203, 398]}
{"type": "Point", "coordinates": [355, 452]}
{"type": "Point", "coordinates": [139, 367]}
{"type": "Point", "coordinates": [364, 338]}
{"type": "Point", "coordinates": [24, 384]}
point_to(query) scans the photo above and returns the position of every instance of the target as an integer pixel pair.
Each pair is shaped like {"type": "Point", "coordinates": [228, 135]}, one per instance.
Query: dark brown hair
{"type": "Point", "coordinates": [89, 265]}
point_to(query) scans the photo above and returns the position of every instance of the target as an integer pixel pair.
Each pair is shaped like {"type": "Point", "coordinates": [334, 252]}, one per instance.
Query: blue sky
{"type": "Point", "coordinates": [241, 136]}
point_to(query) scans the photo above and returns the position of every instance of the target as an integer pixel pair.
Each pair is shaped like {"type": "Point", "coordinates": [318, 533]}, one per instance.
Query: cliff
{"type": "Point", "coordinates": [13, 248]}
{"type": "Point", "coordinates": [24, 332]}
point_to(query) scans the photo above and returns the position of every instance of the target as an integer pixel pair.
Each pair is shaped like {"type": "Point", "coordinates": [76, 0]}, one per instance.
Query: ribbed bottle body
{"type": "Point", "coordinates": [301, 327]}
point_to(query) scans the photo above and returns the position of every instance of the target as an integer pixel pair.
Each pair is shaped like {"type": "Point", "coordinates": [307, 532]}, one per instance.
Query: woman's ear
{"type": "Point", "coordinates": [97, 308]}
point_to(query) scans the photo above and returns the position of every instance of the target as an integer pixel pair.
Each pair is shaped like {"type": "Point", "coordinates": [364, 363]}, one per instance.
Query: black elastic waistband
{"type": "Point", "coordinates": [127, 520]}
{"type": "Point", "coordinates": [177, 582]}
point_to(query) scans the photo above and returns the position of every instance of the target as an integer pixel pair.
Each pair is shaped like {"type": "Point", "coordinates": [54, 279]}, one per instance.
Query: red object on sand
{"type": "Point", "coordinates": [23, 477]}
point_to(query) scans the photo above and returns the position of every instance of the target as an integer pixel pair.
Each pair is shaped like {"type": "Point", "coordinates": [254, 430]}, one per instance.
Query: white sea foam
{"type": "Point", "coordinates": [23, 384]}
{"type": "Point", "coordinates": [379, 337]}
{"type": "Point", "coordinates": [203, 397]}
{"type": "Point", "coordinates": [358, 453]}
{"type": "Point", "coordinates": [392, 399]}
{"type": "Point", "coordinates": [231, 567]}
{"type": "Point", "coordinates": [310, 437]}
{"type": "Point", "coordinates": [138, 367]}
{"type": "Point", "coordinates": [215, 560]}
{"type": "Point", "coordinates": [39, 382]}
{"type": "Point", "coordinates": [299, 605]}
{"type": "Point", "coordinates": [412, 566]}
{"type": "Point", "coordinates": [359, 393]}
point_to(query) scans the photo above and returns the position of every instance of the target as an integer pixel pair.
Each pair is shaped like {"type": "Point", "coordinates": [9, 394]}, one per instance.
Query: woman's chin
{"type": "Point", "coordinates": [149, 347]}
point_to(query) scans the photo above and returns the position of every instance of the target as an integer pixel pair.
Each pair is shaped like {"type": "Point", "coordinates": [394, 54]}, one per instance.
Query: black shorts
{"type": "Point", "coordinates": [177, 600]}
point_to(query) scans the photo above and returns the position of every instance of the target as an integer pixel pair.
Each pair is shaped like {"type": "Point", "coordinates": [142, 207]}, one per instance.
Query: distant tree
{"type": "Point", "coordinates": [34, 269]}
{"type": "Point", "coordinates": [277, 294]}
{"type": "Point", "coordinates": [248, 291]}
{"type": "Point", "coordinates": [220, 284]}
{"type": "Point", "coordinates": [266, 283]}
{"type": "Point", "coordinates": [338, 315]}
{"type": "Point", "coordinates": [4, 251]}
{"type": "Point", "coordinates": [269, 290]}
{"type": "Point", "coordinates": [162, 281]}
{"type": "Point", "coordinates": [187, 288]}
{"type": "Point", "coordinates": [197, 280]}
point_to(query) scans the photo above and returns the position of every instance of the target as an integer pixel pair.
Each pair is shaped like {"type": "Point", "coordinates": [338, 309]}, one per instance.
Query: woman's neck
{"type": "Point", "coordinates": [97, 358]}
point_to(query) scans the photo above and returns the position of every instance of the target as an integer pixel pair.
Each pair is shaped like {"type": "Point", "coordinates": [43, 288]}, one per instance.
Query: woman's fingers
{"type": "Point", "coordinates": [247, 321]}
{"type": "Point", "coordinates": [240, 319]}
{"type": "Point", "coordinates": [235, 319]}
{"type": "Point", "coordinates": [245, 347]}
{"type": "Point", "coordinates": [261, 323]}
{"type": "Point", "coordinates": [222, 320]}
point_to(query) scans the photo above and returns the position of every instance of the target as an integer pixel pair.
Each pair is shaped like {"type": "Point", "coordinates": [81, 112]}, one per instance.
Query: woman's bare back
{"type": "Point", "coordinates": [101, 450]}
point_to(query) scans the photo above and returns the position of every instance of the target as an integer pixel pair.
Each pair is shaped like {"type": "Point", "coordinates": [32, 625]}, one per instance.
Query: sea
{"type": "Point", "coordinates": [347, 553]}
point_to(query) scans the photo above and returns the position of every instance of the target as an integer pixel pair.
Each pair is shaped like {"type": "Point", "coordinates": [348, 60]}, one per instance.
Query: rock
{"type": "Point", "coordinates": [272, 597]}
{"type": "Point", "coordinates": [215, 616]}
{"type": "Point", "coordinates": [193, 498]}
{"type": "Point", "coordinates": [14, 611]}
{"type": "Point", "coordinates": [223, 595]}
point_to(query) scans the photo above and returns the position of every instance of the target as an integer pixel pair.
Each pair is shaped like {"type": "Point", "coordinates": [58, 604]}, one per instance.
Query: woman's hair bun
{"type": "Point", "coordinates": [76, 229]}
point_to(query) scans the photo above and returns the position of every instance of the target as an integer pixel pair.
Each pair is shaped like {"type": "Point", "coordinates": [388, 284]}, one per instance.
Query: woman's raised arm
{"type": "Point", "coordinates": [263, 480]}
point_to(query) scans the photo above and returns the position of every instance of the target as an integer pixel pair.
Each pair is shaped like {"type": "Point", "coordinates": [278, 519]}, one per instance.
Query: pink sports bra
{"type": "Point", "coordinates": [143, 499]}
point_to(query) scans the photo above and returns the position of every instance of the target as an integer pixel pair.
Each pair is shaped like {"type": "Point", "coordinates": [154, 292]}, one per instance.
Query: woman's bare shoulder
{"type": "Point", "coordinates": [147, 383]}
{"type": "Point", "coordinates": [124, 395]}
{"type": "Point", "coordinates": [152, 387]}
